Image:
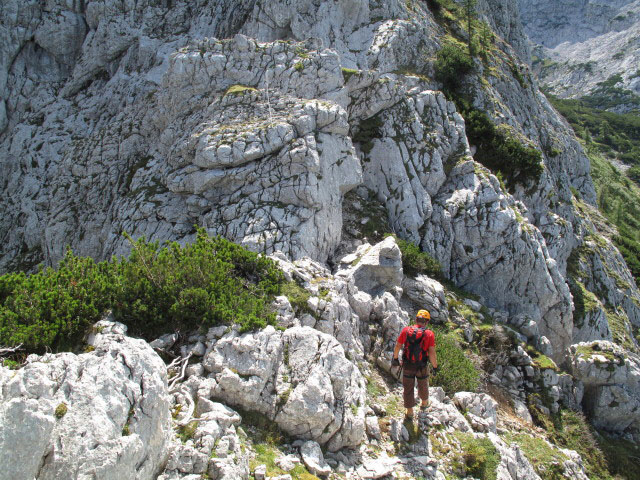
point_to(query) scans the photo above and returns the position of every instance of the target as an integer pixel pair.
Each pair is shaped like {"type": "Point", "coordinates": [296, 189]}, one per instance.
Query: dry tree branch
{"type": "Point", "coordinates": [8, 350]}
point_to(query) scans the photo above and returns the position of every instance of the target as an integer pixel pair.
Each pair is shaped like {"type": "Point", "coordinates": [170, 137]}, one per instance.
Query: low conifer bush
{"type": "Point", "coordinates": [415, 261]}
{"type": "Point", "coordinates": [156, 289]}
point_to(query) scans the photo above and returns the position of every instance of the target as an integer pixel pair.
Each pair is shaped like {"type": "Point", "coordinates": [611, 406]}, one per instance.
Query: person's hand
{"type": "Point", "coordinates": [395, 362]}
{"type": "Point", "coordinates": [434, 369]}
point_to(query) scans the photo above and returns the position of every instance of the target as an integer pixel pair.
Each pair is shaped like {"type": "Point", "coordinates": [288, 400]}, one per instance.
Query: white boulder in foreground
{"type": "Point", "coordinates": [101, 415]}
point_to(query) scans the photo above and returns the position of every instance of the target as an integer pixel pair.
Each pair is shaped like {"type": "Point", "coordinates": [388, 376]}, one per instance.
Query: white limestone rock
{"type": "Point", "coordinates": [522, 411]}
{"type": "Point", "coordinates": [299, 378]}
{"type": "Point", "coordinates": [373, 468]}
{"type": "Point", "coordinates": [480, 408]}
{"type": "Point", "coordinates": [312, 457]}
{"type": "Point", "coordinates": [103, 413]}
{"type": "Point", "coordinates": [429, 294]}
{"type": "Point", "coordinates": [373, 427]}
{"type": "Point", "coordinates": [611, 379]}
{"type": "Point", "coordinates": [379, 269]}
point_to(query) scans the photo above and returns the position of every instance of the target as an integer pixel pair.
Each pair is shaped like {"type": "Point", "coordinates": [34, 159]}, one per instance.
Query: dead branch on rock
{"type": "Point", "coordinates": [4, 351]}
{"type": "Point", "coordinates": [182, 363]}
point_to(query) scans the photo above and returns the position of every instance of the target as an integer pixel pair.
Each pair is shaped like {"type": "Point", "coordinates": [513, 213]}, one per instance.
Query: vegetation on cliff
{"type": "Point", "coordinates": [610, 136]}
{"type": "Point", "coordinates": [156, 289]}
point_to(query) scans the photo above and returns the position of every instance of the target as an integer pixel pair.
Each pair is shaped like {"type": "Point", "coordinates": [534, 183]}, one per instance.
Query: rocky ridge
{"type": "Point", "coordinates": [581, 44]}
{"type": "Point", "coordinates": [315, 388]}
{"type": "Point", "coordinates": [258, 122]}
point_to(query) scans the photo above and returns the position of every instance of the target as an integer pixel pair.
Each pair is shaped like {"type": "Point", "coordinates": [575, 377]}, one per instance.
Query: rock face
{"type": "Point", "coordinates": [584, 34]}
{"type": "Point", "coordinates": [258, 138]}
{"type": "Point", "coordinates": [299, 378]}
{"type": "Point", "coordinates": [103, 414]}
{"type": "Point", "coordinates": [255, 120]}
{"type": "Point", "coordinates": [611, 380]}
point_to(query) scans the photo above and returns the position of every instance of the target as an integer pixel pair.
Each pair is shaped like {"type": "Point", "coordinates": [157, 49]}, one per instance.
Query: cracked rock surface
{"type": "Point", "coordinates": [103, 414]}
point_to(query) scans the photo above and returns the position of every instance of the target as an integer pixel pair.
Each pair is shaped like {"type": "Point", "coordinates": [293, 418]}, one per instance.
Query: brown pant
{"type": "Point", "coordinates": [411, 373]}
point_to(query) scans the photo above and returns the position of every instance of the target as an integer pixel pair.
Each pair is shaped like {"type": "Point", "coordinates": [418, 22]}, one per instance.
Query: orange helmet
{"type": "Point", "coordinates": [423, 315]}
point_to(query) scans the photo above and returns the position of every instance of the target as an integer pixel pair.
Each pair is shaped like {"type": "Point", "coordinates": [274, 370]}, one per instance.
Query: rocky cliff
{"type": "Point", "coordinates": [582, 45]}
{"type": "Point", "coordinates": [272, 124]}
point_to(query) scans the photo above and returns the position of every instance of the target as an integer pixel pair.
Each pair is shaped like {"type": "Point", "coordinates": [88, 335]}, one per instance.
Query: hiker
{"type": "Point", "coordinates": [419, 349]}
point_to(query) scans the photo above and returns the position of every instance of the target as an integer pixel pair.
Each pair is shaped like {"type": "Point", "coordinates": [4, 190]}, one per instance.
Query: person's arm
{"type": "Point", "coordinates": [432, 357]}
{"type": "Point", "coordinates": [396, 350]}
{"type": "Point", "coordinates": [399, 343]}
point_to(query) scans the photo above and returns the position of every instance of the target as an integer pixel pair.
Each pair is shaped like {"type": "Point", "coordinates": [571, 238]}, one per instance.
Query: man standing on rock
{"type": "Point", "coordinates": [419, 349]}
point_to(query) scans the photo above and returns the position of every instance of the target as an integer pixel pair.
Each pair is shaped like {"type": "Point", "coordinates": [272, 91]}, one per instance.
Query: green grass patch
{"type": "Point", "coordinates": [572, 431]}
{"type": "Point", "coordinates": [298, 297]}
{"type": "Point", "coordinates": [540, 360]}
{"type": "Point", "coordinates": [184, 432]}
{"type": "Point", "coordinates": [267, 455]}
{"type": "Point", "coordinates": [156, 289]}
{"type": "Point", "coordinates": [621, 330]}
{"type": "Point", "coordinates": [394, 406]}
{"type": "Point", "coordinates": [546, 459]}
{"type": "Point", "coordinates": [478, 458]}
{"type": "Point", "coordinates": [592, 349]}
{"type": "Point", "coordinates": [414, 431]}
{"type": "Point", "coordinates": [266, 438]}
{"type": "Point", "coordinates": [262, 429]}
{"type": "Point", "coordinates": [456, 372]}
{"type": "Point", "coordinates": [374, 390]}
{"type": "Point", "coordinates": [622, 456]}
{"type": "Point", "coordinates": [569, 429]}
{"type": "Point", "coordinates": [585, 302]}
{"type": "Point", "coordinates": [239, 90]}
{"type": "Point", "coordinates": [347, 73]}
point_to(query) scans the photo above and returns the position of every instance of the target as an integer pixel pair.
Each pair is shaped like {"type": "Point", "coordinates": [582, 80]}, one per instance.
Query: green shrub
{"type": "Point", "coordinates": [61, 410]}
{"type": "Point", "coordinates": [479, 457]}
{"type": "Point", "coordinates": [207, 283]}
{"type": "Point", "coordinates": [415, 261]}
{"type": "Point", "coordinates": [453, 62]}
{"type": "Point", "coordinates": [456, 373]}
{"type": "Point", "coordinates": [499, 150]}
{"type": "Point", "coordinates": [53, 306]}
{"type": "Point", "coordinates": [155, 290]}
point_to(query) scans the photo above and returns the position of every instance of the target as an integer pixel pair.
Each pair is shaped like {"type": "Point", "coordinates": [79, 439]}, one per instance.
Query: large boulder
{"type": "Point", "coordinates": [427, 293]}
{"type": "Point", "coordinates": [480, 408]}
{"type": "Point", "coordinates": [102, 414]}
{"type": "Point", "coordinates": [611, 378]}
{"type": "Point", "coordinates": [378, 268]}
{"type": "Point", "coordinates": [300, 378]}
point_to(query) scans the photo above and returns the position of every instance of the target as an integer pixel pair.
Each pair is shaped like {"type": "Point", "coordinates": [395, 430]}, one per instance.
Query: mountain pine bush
{"type": "Point", "coordinates": [415, 261]}
{"type": "Point", "coordinates": [155, 290]}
